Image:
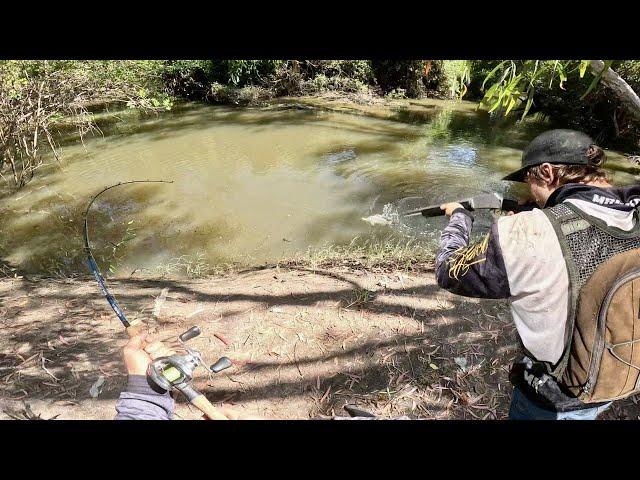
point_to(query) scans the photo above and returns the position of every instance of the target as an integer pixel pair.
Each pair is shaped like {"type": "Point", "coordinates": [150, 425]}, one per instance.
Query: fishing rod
{"type": "Point", "coordinates": [132, 330]}
{"type": "Point", "coordinates": [483, 201]}
{"type": "Point", "coordinates": [171, 370]}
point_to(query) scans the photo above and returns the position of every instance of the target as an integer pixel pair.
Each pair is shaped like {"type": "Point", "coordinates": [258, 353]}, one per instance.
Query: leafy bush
{"type": "Point", "coordinates": [321, 83]}
{"type": "Point", "coordinates": [396, 93]}
{"type": "Point", "coordinates": [359, 70]}
{"type": "Point", "coordinates": [226, 94]}
{"type": "Point", "coordinates": [415, 77]}
{"type": "Point", "coordinates": [457, 75]}
{"type": "Point", "coordinates": [35, 95]}
{"type": "Point", "coordinates": [565, 91]}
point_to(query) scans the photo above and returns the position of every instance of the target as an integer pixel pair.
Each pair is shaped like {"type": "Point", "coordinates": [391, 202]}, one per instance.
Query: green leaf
{"type": "Point", "coordinates": [492, 90]}
{"type": "Point", "coordinates": [492, 73]}
{"type": "Point", "coordinates": [583, 67]}
{"type": "Point", "coordinates": [512, 103]}
{"type": "Point", "coordinates": [597, 78]}
{"type": "Point", "coordinates": [527, 107]}
{"type": "Point", "coordinates": [555, 66]}
{"type": "Point", "coordinates": [562, 75]}
{"type": "Point", "coordinates": [496, 105]}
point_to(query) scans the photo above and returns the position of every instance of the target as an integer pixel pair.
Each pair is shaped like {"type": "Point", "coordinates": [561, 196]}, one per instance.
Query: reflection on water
{"type": "Point", "coordinates": [254, 185]}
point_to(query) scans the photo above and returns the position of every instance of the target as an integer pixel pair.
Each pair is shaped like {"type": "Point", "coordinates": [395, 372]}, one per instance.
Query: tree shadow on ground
{"type": "Point", "coordinates": [60, 360]}
{"type": "Point", "coordinates": [454, 364]}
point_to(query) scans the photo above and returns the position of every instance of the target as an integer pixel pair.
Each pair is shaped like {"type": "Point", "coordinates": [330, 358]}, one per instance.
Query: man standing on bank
{"type": "Point", "coordinates": [571, 271]}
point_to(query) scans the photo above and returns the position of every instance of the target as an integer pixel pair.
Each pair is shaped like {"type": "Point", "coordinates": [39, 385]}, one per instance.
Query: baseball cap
{"type": "Point", "coordinates": [559, 146]}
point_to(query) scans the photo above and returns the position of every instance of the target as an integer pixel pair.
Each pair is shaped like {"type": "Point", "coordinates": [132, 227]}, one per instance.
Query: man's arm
{"type": "Point", "coordinates": [475, 270]}
{"type": "Point", "coordinates": [139, 401]}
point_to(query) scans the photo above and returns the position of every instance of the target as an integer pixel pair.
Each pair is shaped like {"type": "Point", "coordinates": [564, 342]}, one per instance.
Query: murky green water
{"type": "Point", "coordinates": [253, 184]}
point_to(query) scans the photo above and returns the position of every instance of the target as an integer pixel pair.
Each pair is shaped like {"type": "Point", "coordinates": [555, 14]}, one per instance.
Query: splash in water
{"type": "Point", "coordinates": [389, 216]}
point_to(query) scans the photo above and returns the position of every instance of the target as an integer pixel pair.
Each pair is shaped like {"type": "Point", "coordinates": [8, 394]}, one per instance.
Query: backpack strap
{"type": "Point", "coordinates": [564, 222]}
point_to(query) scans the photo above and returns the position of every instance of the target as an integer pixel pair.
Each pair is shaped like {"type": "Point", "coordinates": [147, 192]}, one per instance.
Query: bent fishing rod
{"type": "Point", "coordinates": [132, 330]}
{"type": "Point", "coordinates": [172, 370]}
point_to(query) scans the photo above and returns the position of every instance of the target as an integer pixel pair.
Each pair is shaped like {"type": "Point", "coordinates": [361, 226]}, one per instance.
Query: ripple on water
{"type": "Point", "coordinates": [246, 180]}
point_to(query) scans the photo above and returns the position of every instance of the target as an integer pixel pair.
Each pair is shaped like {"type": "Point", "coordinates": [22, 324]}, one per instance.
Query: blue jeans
{"type": "Point", "coordinates": [524, 409]}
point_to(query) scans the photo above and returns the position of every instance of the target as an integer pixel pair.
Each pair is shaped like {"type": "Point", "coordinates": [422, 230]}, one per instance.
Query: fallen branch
{"type": "Point", "coordinates": [629, 99]}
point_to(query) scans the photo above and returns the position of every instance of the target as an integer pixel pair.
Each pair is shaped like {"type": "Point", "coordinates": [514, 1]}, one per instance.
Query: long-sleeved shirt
{"type": "Point", "coordinates": [520, 259]}
{"type": "Point", "coordinates": [140, 402]}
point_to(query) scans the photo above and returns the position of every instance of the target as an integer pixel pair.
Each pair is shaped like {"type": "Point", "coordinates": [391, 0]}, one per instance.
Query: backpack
{"type": "Point", "coordinates": [601, 360]}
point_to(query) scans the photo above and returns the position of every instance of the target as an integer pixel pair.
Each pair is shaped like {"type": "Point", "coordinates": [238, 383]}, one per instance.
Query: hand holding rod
{"type": "Point", "coordinates": [170, 370]}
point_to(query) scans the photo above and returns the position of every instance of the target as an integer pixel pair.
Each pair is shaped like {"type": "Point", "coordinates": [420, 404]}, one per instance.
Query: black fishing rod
{"type": "Point", "coordinates": [93, 266]}
{"type": "Point", "coordinates": [171, 371]}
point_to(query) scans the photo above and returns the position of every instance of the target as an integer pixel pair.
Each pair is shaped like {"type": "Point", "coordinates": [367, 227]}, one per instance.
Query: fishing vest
{"type": "Point", "coordinates": [601, 359]}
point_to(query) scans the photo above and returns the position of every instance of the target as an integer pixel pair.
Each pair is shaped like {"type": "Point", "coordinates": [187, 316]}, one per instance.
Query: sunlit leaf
{"type": "Point", "coordinates": [492, 73]}
{"type": "Point", "coordinates": [562, 75]}
{"type": "Point", "coordinates": [527, 107]}
{"type": "Point", "coordinates": [597, 78]}
{"type": "Point", "coordinates": [583, 67]}
{"type": "Point", "coordinates": [512, 103]}
{"type": "Point", "coordinates": [489, 95]}
{"type": "Point", "coordinates": [496, 105]}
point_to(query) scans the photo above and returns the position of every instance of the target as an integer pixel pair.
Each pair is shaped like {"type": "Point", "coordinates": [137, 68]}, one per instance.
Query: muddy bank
{"type": "Point", "coordinates": [304, 342]}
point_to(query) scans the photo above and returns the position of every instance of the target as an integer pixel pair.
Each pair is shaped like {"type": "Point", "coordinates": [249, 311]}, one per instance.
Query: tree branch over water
{"type": "Point", "coordinates": [36, 96]}
{"type": "Point", "coordinates": [619, 87]}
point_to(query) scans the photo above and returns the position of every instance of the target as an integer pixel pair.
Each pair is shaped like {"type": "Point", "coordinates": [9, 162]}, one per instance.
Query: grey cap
{"type": "Point", "coordinates": [568, 147]}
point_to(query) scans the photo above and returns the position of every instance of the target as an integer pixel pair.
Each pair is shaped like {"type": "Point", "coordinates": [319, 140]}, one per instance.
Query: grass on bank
{"type": "Point", "coordinates": [378, 255]}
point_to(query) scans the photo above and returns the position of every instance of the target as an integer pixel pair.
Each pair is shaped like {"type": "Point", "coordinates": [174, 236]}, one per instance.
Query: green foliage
{"type": "Point", "coordinates": [566, 91]}
{"type": "Point", "coordinates": [196, 78]}
{"type": "Point", "coordinates": [457, 75]}
{"type": "Point", "coordinates": [202, 79]}
{"type": "Point", "coordinates": [35, 95]}
{"type": "Point", "coordinates": [413, 76]}
{"type": "Point", "coordinates": [596, 78]}
{"type": "Point", "coordinates": [396, 94]}
{"type": "Point", "coordinates": [630, 71]}
{"type": "Point", "coordinates": [514, 83]}
{"type": "Point", "coordinates": [358, 70]}
{"type": "Point", "coordinates": [249, 72]}
{"type": "Point", "coordinates": [249, 95]}
{"type": "Point", "coordinates": [319, 76]}
{"type": "Point", "coordinates": [511, 82]}
{"type": "Point", "coordinates": [321, 83]}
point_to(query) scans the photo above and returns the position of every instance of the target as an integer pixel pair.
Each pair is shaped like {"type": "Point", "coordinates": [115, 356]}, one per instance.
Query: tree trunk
{"type": "Point", "coordinates": [629, 99]}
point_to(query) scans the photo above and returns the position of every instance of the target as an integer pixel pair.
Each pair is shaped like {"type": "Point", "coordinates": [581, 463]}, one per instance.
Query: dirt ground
{"type": "Point", "coordinates": [304, 343]}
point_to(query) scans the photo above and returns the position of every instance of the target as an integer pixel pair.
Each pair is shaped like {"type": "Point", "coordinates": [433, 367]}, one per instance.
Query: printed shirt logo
{"type": "Point", "coordinates": [602, 200]}
{"type": "Point", "coordinates": [462, 259]}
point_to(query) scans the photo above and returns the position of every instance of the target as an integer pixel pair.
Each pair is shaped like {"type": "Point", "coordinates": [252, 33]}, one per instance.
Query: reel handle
{"type": "Point", "coordinates": [193, 332]}
{"type": "Point", "coordinates": [222, 364]}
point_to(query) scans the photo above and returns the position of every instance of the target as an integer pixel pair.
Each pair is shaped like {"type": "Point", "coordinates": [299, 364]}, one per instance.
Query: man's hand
{"type": "Point", "coordinates": [136, 360]}
{"type": "Point", "coordinates": [450, 207]}
{"type": "Point", "coordinates": [140, 351]}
